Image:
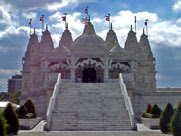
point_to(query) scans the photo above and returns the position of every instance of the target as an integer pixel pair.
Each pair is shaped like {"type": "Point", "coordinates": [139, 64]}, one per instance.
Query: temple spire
{"type": "Point", "coordinates": [111, 27]}
{"type": "Point", "coordinates": [131, 28]}
{"type": "Point", "coordinates": [34, 30]}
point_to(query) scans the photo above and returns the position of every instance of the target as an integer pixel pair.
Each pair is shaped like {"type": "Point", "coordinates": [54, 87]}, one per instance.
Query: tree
{"type": "Point", "coordinates": [22, 112]}
{"type": "Point", "coordinates": [15, 96]}
{"type": "Point", "coordinates": [148, 108]}
{"type": "Point", "coordinates": [155, 111]}
{"type": "Point", "coordinates": [3, 125]}
{"type": "Point", "coordinates": [176, 122]}
{"type": "Point", "coordinates": [165, 118]}
{"type": "Point", "coordinates": [12, 119]}
{"type": "Point", "coordinates": [30, 107]}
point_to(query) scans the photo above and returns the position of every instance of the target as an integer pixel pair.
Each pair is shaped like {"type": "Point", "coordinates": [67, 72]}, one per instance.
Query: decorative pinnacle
{"type": "Point", "coordinates": [66, 26]}
{"type": "Point", "coordinates": [89, 18]}
{"type": "Point", "coordinates": [131, 28]}
{"type": "Point", "coordinates": [34, 30]}
{"type": "Point", "coordinates": [143, 31]}
{"type": "Point", "coordinates": [46, 26]}
{"type": "Point", "coordinates": [111, 26]}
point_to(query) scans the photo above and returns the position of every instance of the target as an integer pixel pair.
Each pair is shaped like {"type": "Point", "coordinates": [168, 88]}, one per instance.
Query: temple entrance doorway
{"type": "Point", "coordinates": [89, 75]}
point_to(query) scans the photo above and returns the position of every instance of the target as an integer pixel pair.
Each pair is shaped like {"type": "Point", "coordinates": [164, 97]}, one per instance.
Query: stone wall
{"type": "Point", "coordinates": [162, 96]}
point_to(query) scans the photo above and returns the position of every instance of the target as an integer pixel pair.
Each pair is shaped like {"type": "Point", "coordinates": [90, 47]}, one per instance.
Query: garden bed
{"type": "Point", "coordinates": [152, 123]}
{"type": "Point", "coordinates": [27, 124]}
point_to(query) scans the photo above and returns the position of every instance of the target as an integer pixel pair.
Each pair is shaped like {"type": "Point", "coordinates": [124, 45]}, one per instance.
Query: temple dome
{"type": "Point", "coordinates": [89, 42]}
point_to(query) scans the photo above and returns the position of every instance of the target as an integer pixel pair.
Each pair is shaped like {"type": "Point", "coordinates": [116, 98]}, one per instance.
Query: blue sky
{"type": "Point", "coordinates": [164, 29]}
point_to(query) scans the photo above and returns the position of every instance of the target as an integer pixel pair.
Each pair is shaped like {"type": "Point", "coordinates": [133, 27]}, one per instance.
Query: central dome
{"type": "Point", "coordinates": [89, 42]}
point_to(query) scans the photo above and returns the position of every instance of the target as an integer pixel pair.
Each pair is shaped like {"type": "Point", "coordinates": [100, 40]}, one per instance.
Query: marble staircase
{"type": "Point", "coordinates": [90, 107]}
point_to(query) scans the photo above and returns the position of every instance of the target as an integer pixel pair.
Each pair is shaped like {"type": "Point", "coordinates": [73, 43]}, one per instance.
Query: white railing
{"type": "Point", "coordinates": [53, 100]}
{"type": "Point", "coordinates": [127, 100]}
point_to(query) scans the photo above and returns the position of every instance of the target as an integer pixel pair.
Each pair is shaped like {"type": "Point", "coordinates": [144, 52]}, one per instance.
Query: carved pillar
{"type": "Point", "coordinates": [73, 61]}
{"type": "Point", "coordinates": [46, 79]}
{"type": "Point", "coordinates": [45, 70]}
{"type": "Point", "coordinates": [106, 74]}
{"type": "Point", "coordinates": [106, 67]}
{"type": "Point", "coordinates": [73, 75]}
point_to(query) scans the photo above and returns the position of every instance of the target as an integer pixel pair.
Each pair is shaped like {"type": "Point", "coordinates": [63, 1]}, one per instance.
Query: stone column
{"type": "Point", "coordinates": [73, 75]}
{"type": "Point", "coordinates": [106, 74]}
{"type": "Point", "coordinates": [46, 79]}
{"type": "Point", "coordinates": [106, 67]}
{"type": "Point", "coordinates": [45, 70]}
{"type": "Point", "coordinates": [72, 69]}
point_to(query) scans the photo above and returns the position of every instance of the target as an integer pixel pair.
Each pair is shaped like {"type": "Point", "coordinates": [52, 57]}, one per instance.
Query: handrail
{"type": "Point", "coordinates": [53, 100]}
{"type": "Point", "coordinates": [127, 100]}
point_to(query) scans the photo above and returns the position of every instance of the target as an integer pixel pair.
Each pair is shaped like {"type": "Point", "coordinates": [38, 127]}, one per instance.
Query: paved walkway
{"type": "Point", "coordinates": [94, 133]}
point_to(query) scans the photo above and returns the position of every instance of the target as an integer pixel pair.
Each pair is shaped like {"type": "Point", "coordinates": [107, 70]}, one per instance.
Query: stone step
{"type": "Point", "coordinates": [112, 111]}
{"type": "Point", "coordinates": [90, 128]}
{"type": "Point", "coordinates": [90, 106]}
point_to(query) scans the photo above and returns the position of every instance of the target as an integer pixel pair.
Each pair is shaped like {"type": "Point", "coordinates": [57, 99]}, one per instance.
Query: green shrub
{"type": "Point", "coordinates": [148, 108]}
{"type": "Point", "coordinates": [3, 125]}
{"type": "Point", "coordinates": [30, 107]}
{"type": "Point", "coordinates": [155, 111]}
{"type": "Point", "coordinates": [146, 115]}
{"type": "Point", "coordinates": [12, 119]}
{"type": "Point", "coordinates": [29, 115]}
{"type": "Point", "coordinates": [22, 112]}
{"type": "Point", "coordinates": [165, 118]}
{"type": "Point", "coordinates": [176, 122]}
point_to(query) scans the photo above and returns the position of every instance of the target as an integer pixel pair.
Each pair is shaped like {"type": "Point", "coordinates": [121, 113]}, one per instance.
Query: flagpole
{"type": "Point", "coordinates": [135, 24]}
{"type": "Point", "coordinates": [87, 11]}
{"type": "Point", "coordinates": [109, 21]}
{"type": "Point", "coordinates": [146, 26]}
{"type": "Point", "coordinates": [42, 22]}
{"type": "Point", "coordinates": [30, 25]}
{"type": "Point", "coordinates": [65, 20]}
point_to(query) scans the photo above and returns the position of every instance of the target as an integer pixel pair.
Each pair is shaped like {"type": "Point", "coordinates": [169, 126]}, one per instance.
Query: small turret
{"type": "Point", "coordinates": [145, 50]}
{"type": "Point", "coordinates": [145, 75]}
{"type": "Point", "coordinates": [89, 29]}
{"type": "Point", "coordinates": [111, 38]}
{"type": "Point", "coordinates": [131, 44]}
{"type": "Point", "coordinates": [32, 52]}
{"type": "Point", "coordinates": [66, 39]}
{"type": "Point", "coordinates": [46, 44]}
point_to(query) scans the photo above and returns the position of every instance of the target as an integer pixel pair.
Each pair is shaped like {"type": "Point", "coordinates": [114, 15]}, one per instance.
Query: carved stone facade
{"type": "Point", "coordinates": [88, 58]}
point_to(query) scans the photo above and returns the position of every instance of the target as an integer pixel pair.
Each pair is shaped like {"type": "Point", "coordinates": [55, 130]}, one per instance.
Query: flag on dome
{"type": "Point", "coordinates": [30, 22]}
{"type": "Point", "coordinates": [64, 18]}
{"type": "Point", "coordinates": [135, 19]}
{"type": "Point", "coordinates": [146, 22]}
{"type": "Point", "coordinates": [84, 20]}
{"type": "Point", "coordinates": [41, 18]}
{"type": "Point", "coordinates": [86, 10]}
{"type": "Point", "coordinates": [107, 17]}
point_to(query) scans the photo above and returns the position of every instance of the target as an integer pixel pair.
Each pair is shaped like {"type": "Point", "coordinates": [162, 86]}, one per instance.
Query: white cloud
{"type": "Point", "coordinates": [50, 5]}
{"type": "Point", "coordinates": [162, 32]}
{"type": "Point", "coordinates": [75, 25]}
{"type": "Point", "coordinates": [9, 71]}
{"type": "Point", "coordinates": [29, 15]}
{"type": "Point", "coordinates": [64, 3]}
{"type": "Point", "coordinates": [177, 6]}
{"type": "Point", "coordinates": [178, 21]}
{"type": "Point", "coordinates": [5, 17]}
